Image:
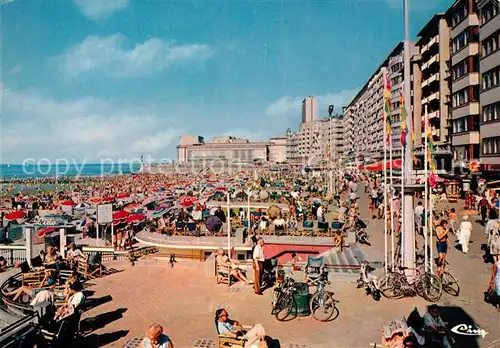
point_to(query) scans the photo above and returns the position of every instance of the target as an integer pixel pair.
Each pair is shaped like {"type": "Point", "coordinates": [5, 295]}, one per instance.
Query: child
{"type": "Point", "coordinates": [452, 218]}
{"type": "Point", "coordinates": [371, 207]}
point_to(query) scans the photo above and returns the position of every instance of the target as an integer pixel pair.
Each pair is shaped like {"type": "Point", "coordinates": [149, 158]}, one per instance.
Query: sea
{"type": "Point", "coordinates": [27, 171]}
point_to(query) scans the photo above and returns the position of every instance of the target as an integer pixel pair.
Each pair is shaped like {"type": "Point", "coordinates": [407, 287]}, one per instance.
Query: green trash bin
{"type": "Point", "coordinates": [301, 299]}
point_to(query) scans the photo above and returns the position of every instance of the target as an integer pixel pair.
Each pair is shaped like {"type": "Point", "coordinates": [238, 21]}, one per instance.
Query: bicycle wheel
{"type": "Point", "coordinates": [322, 306]}
{"type": "Point", "coordinates": [450, 284]}
{"type": "Point", "coordinates": [284, 306]}
{"type": "Point", "coordinates": [390, 285]}
{"type": "Point", "coordinates": [431, 287]}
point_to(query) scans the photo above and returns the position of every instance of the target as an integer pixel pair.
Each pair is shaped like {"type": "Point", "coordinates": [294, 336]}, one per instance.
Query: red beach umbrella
{"type": "Point", "coordinates": [45, 231]}
{"type": "Point", "coordinates": [15, 215]}
{"type": "Point", "coordinates": [68, 203]}
{"type": "Point", "coordinates": [120, 215]}
{"type": "Point", "coordinates": [123, 195]}
{"type": "Point", "coordinates": [135, 218]}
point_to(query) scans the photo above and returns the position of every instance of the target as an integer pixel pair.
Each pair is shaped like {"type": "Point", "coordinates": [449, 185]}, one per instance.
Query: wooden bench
{"type": "Point", "coordinates": [223, 274]}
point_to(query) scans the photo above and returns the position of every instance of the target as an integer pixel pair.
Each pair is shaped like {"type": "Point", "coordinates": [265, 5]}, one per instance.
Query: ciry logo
{"type": "Point", "coordinates": [468, 330]}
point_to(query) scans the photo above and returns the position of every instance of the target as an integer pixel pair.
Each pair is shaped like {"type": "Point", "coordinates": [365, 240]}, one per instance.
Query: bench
{"type": "Point", "coordinates": [33, 279]}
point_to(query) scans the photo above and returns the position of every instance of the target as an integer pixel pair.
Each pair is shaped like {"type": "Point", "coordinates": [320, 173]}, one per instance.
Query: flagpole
{"type": "Point", "coordinates": [426, 193]}
{"type": "Point", "coordinates": [228, 225]}
{"type": "Point", "coordinates": [393, 255]}
{"type": "Point", "coordinates": [403, 158]}
{"type": "Point", "coordinates": [385, 189]}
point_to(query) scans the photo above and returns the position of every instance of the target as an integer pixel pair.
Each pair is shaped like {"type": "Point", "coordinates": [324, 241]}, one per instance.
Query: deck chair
{"type": "Point", "coordinates": [180, 227]}
{"type": "Point", "coordinates": [191, 227]}
{"type": "Point", "coordinates": [33, 279]}
{"type": "Point", "coordinates": [224, 341]}
{"type": "Point", "coordinates": [90, 266]}
{"type": "Point", "coordinates": [66, 332]}
{"type": "Point", "coordinates": [323, 228]}
{"type": "Point", "coordinates": [223, 274]}
{"type": "Point", "coordinates": [314, 267]}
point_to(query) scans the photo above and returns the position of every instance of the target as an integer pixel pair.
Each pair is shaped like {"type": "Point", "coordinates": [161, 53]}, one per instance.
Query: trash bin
{"type": "Point", "coordinates": [301, 297]}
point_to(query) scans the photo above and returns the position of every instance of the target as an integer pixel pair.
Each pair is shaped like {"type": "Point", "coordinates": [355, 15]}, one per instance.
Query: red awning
{"type": "Point", "coordinates": [379, 166]}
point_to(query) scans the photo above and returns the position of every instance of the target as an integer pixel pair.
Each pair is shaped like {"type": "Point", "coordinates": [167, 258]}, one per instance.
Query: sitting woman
{"type": "Point", "coordinates": [254, 338]}
{"type": "Point", "coordinates": [74, 301]}
{"type": "Point", "coordinates": [3, 264]}
{"type": "Point", "coordinates": [222, 259]}
{"type": "Point", "coordinates": [155, 338]}
{"type": "Point", "coordinates": [48, 281]}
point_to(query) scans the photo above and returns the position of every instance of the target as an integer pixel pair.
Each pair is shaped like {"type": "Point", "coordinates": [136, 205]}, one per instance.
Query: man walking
{"type": "Point", "coordinates": [419, 211]}
{"type": "Point", "coordinates": [258, 265]}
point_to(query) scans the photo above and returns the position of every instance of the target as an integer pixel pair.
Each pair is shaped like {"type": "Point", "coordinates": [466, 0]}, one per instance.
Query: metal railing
{"type": "Point", "coordinates": [13, 253]}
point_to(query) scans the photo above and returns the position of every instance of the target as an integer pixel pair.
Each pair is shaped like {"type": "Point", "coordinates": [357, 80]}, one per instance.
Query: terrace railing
{"type": "Point", "coordinates": [13, 253]}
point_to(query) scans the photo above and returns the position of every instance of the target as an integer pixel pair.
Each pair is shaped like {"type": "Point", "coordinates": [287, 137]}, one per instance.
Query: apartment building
{"type": "Point", "coordinates": [364, 118]}
{"type": "Point", "coordinates": [463, 20]}
{"type": "Point", "coordinates": [489, 124]}
{"type": "Point", "coordinates": [309, 109]}
{"type": "Point", "coordinates": [430, 90]}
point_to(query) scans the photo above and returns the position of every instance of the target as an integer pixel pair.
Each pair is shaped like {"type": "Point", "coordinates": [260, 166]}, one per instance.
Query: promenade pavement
{"type": "Point", "coordinates": [183, 300]}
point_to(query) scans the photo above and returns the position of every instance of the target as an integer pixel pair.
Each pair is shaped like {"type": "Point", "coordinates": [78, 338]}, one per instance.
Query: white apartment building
{"type": "Point", "coordinates": [309, 109]}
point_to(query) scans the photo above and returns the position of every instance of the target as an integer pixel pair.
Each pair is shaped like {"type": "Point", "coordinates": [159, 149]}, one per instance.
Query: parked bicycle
{"type": "Point", "coordinates": [368, 281]}
{"type": "Point", "coordinates": [450, 282]}
{"type": "Point", "coordinates": [283, 300]}
{"type": "Point", "coordinates": [394, 285]}
{"type": "Point", "coordinates": [322, 303]}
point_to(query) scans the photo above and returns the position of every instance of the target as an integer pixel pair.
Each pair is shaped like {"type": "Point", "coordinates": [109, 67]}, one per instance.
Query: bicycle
{"type": "Point", "coordinates": [394, 285]}
{"type": "Point", "coordinates": [322, 301]}
{"type": "Point", "coordinates": [450, 283]}
{"type": "Point", "coordinates": [283, 300]}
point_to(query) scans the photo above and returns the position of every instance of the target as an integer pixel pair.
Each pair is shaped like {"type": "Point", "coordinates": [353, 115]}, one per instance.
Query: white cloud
{"type": "Point", "coordinates": [37, 127]}
{"type": "Point", "coordinates": [96, 9]}
{"type": "Point", "coordinates": [291, 106]}
{"type": "Point", "coordinates": [16, 70]}
{"type": "Point", "coordinates": [107, 55]}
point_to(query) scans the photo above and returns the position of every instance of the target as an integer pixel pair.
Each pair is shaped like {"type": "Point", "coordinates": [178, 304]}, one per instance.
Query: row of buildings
{"type": "Point", "coordinates": [455, 76]}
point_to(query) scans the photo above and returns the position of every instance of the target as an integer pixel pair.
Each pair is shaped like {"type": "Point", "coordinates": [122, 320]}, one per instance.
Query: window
{"type": "Point", "coordinates": [491, 78]}
{"type": "Point", "coordinates": [489, 11]}
{"type": "Point", "coordinates": [490, 44]}
{"type": "Point", "coordinates": [459, 15]}
{"type": "Point", "coordinates": [491, 146]}
{"type": "Point", "coordinates": [460, 125]}
{"type": "Point", "coordinates": [461, 97]}
{"type": "Point", "coordinates": [461, 40]}
{"type": "Point", "coordinates": [460, 69]}
{"type": "Point", "coordinates": [491, 112]}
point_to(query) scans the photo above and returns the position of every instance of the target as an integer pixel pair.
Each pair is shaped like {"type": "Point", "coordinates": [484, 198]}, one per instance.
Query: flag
{"type": "Point", "coordinates": [412, 144]}
{"type": "Point", "coordinates": [430, 145]}
{"type": "Point", "coordinates": [387, 107]}
{"type": "Point", "coordinates": [404, 128]}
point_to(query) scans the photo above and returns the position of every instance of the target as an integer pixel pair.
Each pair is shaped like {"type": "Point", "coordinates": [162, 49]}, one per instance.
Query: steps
{"type": "Point", "coordinates": [348, 262]}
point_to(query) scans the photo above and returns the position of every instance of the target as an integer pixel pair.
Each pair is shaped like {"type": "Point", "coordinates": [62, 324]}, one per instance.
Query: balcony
{"type": "Point", "coordinates": [471, 49]}
{"type": "Point", "coordinates": [430, 80]}
{"type": "Point", "coordinates": [465, 110]}
{"type": "Point", "coordinates": [470, 79]}
{"type": "Point", "coordinates": [470, 21]}
{"type": "Point", "coordinates": [434, 114]}
{"type": "Point", "coordinates": [434, 59]}
{"type": "Point", "coordinates": [430, 98]}
{"type": "Point", "coordinates": [466, 138]}
{"type": "Point", "coordinates": [433, 41]}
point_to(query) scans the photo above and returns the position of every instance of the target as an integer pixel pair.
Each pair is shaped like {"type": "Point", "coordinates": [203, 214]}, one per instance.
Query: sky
{"type": "Point", "coordinates": [87, 80]}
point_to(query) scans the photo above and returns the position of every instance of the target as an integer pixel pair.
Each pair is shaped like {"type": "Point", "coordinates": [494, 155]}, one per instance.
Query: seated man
{"type": "Point", "coordinates": [48, 281]}
{"type": "Point", "coordinates": [222, 259]}
{"type": "Point", "coordinates": [3, 264]}
{"type": "Point", "coordinates": [255, 337]}
{"type": "Point", "coordinates": [435, 325]}
{"type": "Point", "coordinates": [75, 254]}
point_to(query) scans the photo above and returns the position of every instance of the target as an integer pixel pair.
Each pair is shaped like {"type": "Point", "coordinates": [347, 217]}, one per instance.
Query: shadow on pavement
{"type": "Point", "coordinates": [102, 340]}
{"type": "Point", "coordinates": [455, 316]}
{"type": "Point", "coordinates": [95, 302]}
{"type": "Point", "coordinates": [98, 322]}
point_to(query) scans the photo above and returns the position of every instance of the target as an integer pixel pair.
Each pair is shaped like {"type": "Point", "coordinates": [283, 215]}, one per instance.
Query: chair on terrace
{"type": "Point", "coordinates": [314, 267]}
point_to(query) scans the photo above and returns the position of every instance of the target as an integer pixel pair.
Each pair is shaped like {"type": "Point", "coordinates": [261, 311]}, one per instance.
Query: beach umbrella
{"type": "Point", "coordinates": [123, 195]}
{"type": "Point", "coordinates": [158, 213]}
{"type": "Point", "coordinates": [68, 203]}
{"type": "Point", "coordinates": [263, 195]}
{"type": "Point", "coordinates": [274, 212]}
{"type": "Point", "coordinates": [15, 215]}
{"type": "Point", "coordinates": [135, 218]}
{"type": "Point", "coordinates": [108, 199]}
{"type": "Point", "coordinates": [213, 223]}
{"type": "Point", "coordinates": [121, 214]}
{"type": "Point", "coordinates": [46, 231]}
{"type": "Point", "coordinates": [95, 200]}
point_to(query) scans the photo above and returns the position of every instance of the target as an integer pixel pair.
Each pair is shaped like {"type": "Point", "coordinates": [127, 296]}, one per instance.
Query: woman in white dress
{"type": "Point", "coordinates": [464, 233]}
